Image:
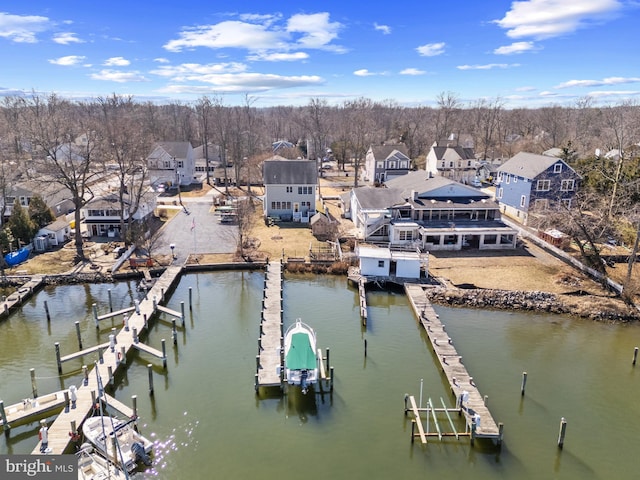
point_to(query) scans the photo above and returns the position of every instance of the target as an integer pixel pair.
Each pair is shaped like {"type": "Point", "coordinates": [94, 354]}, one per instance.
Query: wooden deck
{"type": "Point", "coordinates": [271, 343]}
{"type": "Point", "coordinates": [59, 438]}
{"type": "Point", "coordinates": [451, 364]}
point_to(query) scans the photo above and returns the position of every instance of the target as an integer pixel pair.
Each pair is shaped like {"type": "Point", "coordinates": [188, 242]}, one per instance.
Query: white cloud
{"type": "Point", "coordinates": [67, 61]}
{"type": "Point", "coordinates": [412, 71]}
{"type": "Point", "coordinates": [599, 83]}
{"type": "Point", "coordinates": [66, 38]}
{"type": "Point", "coordinates": [245, 82]}
{"type": "Point", "coordinates": [614, 93]}
{"type": "Point", "coordinates": [526, 89]}
{"type": "Point", "coordinates": [22, 28]}
{"type": "Point", "coordinates": [550, 18]}
{"type": "Point", "coordinates": [386, 29]}
{"type": "Point", "coordinates": [161, 60]}
{"type": "Point", "coordinates": [488, 66]}
{"type": "Point", "coordinates": [193, 71]}
{"type": "Point", "coordinates": [116, 62]}
{"type": "Point", "coordinates": [262, 34]}
{"type": "Point", "coordinates": [431, 49]}
{"type": "Point", "coordinates": [514, 48]}
{"type": "Point", "coordinates": [279, 57]}
{"type": "Point", "coordinates": [363, 72]}
{"type": "Point", "coordinates": [118, 76]}
{"type": "Point", "coordinates": [547, 93]}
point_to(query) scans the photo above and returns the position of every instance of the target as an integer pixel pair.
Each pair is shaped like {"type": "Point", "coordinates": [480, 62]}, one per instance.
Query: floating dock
{"type": "Point", "coordinates": [112, 359]}
{"type": "Point", "coordinates": [477, 416]}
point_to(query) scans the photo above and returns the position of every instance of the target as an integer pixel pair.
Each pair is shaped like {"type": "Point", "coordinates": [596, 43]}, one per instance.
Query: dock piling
{"type": "Point", "coordinates": [95, 315]}
{"type": "Point", "coordinates": [190, 298]}
{"type": "Point", "coordinates": [174, 331]}
{"type": "Point", "coordinates": [182, 311]}
{"type": "Point", "coordinates": [85, 374]}
{"type": "Point", "coordinates": [635, 355]}
{"type": "Point", "coordinates": [34, 388]}
{"type": "Point", "coordinates": [563, 429]}
{"type": "Point", "coordinates": [110, 374]}
{"type": "Point", "coordinates": [524, 383]}
{"type": "Point", "coordinates": [78, 335]}
{"type": "Point", "coordinates": [125, 321]}
{"type": "Point", "coordinates": [3, 415]}
{"type": "Point", "coordinates": [331, 380]}
{"type": "Point", "coordinates": [100, 357]}
{"type": "Point", "coordinates": [46, 310]}
{"type": "Point", "coordinates": [135, 335]}
{"type": "Point", "coordinates": [66, 401]}
{"type": "Point", "coordinates": [136, 306]}
{"type": "Point", "coordinates": [57, 345]}
{"type": "Point", "coordinates": [110, 301]}
{"type": "Point", "coordinates": [134, 405]}
{"type": "Point", "coordinates": [164, 354]}
{"type": "Point", "coordinates": [150, 370]}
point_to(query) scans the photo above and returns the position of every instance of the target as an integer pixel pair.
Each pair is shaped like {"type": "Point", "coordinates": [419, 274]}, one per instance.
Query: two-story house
{"type": "Point", "coordinates": [384, 162]}
{"type": "Point", "coordinates": [55, 196]}
{"type": "Point", "coordinates": [290, 188]}
{"type": "Point", "coordinates": [453, 162]}
{"type": "Point", "coordinates": [528, 182]}
{"type": "Point", "coordinates": [101, 216]}
{"type": "Point", "coordinates": [430, 213]}
{"type": "Point", "coordinates": [172, 164]}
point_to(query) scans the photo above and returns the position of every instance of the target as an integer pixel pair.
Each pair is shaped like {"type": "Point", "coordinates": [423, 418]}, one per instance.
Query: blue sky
{"type": "Point", "coordinates": [527, 53]}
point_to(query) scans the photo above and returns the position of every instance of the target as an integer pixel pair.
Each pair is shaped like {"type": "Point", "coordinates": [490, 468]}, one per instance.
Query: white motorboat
{"type": "Point", "coordinates": [118, 441]}
{"type": "Point", "coordinates": [92, 466]}
{"type": "Point", "coordinates": [300, 356]}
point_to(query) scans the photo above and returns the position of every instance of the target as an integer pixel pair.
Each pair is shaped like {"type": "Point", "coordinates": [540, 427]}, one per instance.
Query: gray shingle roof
{"type": "Point", "coordinates": [528, 165]}
{"type": "Point", "coordinates": [381, 152]}
{"type": "Point", "coordinates": [280, 171]}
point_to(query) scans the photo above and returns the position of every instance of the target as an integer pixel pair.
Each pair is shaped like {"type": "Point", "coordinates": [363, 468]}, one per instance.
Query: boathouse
{"type": "Point", "coordinates": [385, 262]}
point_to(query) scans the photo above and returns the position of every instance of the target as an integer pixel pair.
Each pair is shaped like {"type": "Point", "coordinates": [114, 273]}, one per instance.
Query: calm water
{"type": "Point", "coordinates": [209, 423]}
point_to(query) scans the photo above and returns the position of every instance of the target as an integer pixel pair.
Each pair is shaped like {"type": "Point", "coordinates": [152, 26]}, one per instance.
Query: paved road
{"type": "Point", "coordinates": [196, 230]}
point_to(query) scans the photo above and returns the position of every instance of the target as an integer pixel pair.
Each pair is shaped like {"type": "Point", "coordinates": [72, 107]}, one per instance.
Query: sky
{"type": "Point", "coordinates": [527, 53]}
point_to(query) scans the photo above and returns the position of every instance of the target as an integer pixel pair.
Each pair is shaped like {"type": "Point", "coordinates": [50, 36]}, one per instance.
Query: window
{"type": "Point", "coordinates": [469, 163]}
{"type": "Point", "coordinates": [557, 168]}
{"type": "Point", "coordinates": [499, 192]}
{"type": "Point", "coordinates": [543, 185]}
{"type": "Point", "coordinates": [392, 164]}
{"type": "Point", "coordinates": [443, 164]}
{"type": "Point", "coordinates": [380, 263]}
{"type": "Point", "coordinates": [180, 163]}
{"type": "Point", "coordinates": [450, 164]}
{"type": "Point", "coordinates": [508, 179]}
{"type": "Point", "coordinates": [523, 200]}
{"type": "Point", "coordinates": [299, 190]}
{"type": "Point", "coordinates": [567, 185]}
{"type": "Point", "coordinates": [289, 189]}
{"type": "Point", "coordinates": [515, 179]}
{"type": "Point", "coordinates": [405, 235]}
{"type": "Point", "coordinates": [380, 165]}
{"type": "Point", "coordinates": [404, 164]}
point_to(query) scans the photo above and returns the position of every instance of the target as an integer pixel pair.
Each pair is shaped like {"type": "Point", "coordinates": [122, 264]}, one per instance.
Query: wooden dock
{"type": "Point", "coordinates": [269, 361]}
{"type": "Point", "coordinates": [477, 416]}
{"type": "Point", "coordinates": [112, 361]}
{"type": "Point", "coordinates": [16, 299]}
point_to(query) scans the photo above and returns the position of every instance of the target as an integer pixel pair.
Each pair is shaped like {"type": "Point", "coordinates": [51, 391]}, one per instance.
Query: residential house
{"type": "Point", "coordinates": [385, 263]}
{"type": "Point", "coordinates": [101, 216]}
{"type": "Point", "coordinates": [55, 196]}
{"type": "Point", "coordinates": [385, 162]}
{"type": "Point", "coordinates": [429, 213]}
{"type": "Point", "coordinates": [290, 188]}
{"type": "Point", "coordinates": [172, 163]}
{"type": "Point", "coordinates": [528, 182]}
{"type": "Point", "coordinates": [453, 162]}
{"type": "Point", "coordinates": [208, 158]}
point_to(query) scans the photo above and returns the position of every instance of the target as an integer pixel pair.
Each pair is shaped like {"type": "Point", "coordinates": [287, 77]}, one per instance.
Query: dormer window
{"type": "Point", "coordinates": [557, 168]}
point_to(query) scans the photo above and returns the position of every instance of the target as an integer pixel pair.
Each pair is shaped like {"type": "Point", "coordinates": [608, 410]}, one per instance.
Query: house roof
{"type": "Point", "coordinates": [174, 149]}
{"type": "Point", "coordinates": [381, 152]}
{"type": "Point", "coordinates": [281, 171]}
{"type": "Point", "coordinates": [453, 153]}
{"type": "Point", "coordinates": [56, 226]}
{"type": "Point", "coordinates": [528, 165]}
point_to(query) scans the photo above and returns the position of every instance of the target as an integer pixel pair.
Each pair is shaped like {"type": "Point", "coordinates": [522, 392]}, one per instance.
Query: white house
{"type": "Point", "coordinates": [453, 162]}
{"type": "Point", "coordinates": [172, 163]}
{"type": "Point", "coordinates": [54, 234]}
{"type": "Point", "coordinates": [384, 162]}
{"type": "Point", "coordinates": [290, 188]}
{"type": "Point", "coordinates": [101, 216]}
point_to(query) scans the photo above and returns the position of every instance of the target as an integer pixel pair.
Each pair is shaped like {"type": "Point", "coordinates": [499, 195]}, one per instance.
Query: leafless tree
{"type": "Point", "coordinates": [447, 114]}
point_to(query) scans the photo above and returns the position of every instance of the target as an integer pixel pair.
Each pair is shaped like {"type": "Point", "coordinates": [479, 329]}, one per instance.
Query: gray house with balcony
{"type": "Point", "coordinates": [529, 183]}
{"type": "Point", "coordinates": [290, 188]}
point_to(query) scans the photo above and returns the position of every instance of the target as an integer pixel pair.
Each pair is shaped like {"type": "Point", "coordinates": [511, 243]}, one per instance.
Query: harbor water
{"type": "Point", "coordinates": [207, 421]}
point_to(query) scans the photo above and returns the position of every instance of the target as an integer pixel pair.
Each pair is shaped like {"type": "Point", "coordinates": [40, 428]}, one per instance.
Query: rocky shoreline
{"type": "Point", "coordinates": [604, 309]}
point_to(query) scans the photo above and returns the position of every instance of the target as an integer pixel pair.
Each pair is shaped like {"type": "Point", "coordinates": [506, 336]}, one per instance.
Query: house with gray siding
{"type": "Point", "coordinates": [172, 163]}
{"type": "Point", "coordinates": [529, 183]}
{"type": "Point", "coordinates": [290, 188]}
{"type": "Point", "coordinates": [453, 162]}
{"type": "Point", "coordinates": [384, 162]}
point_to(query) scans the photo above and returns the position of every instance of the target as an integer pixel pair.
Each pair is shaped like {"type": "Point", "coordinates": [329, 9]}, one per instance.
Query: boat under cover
{"type": "Point", "coordinates": [300, 356]}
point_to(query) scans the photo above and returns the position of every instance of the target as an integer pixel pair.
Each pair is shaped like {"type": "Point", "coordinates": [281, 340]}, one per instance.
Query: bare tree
{"type": "Point", "coordinates": [447, 114]}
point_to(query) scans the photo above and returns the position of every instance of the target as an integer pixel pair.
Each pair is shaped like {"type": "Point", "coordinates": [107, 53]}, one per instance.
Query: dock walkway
{"type": "Point", "coordinates": [271, 342]}
{"type": "Point", "coordinates": [87, 392]}
{"type": "Point", "coordinates": [477, 416]}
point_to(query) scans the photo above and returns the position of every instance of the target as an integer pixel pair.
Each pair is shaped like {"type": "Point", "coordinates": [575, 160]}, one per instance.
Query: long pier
{"type": "Point", "coordinates": [270, 358]}
{"type": "Point", "coordinates": [468, 398]}
{"type": "Point", "coordinates": [113, 358]}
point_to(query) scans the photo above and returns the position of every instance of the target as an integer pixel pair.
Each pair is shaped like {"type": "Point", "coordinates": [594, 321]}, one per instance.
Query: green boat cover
{"type": "Point", "coordinates": [300, 355]}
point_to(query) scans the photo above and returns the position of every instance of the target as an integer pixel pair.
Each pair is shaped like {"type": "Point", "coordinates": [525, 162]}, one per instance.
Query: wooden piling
{"type": "Point", "coordinates": [100, 357]}
{"type": "Point", "coordinates": [190, 298]}
{"type": "Point", "coordinates": [123, 354]}
{"type": "Point", "coordinates": [135, 335]}
{"type": "Point", "coordinates": [635, 355]}
{"type": "Point", "coordinates": [331, 383]}
{"type": "Point", "coordinates": [182, 311]}
{"type": "Point", "coordinates": [78, 334]}
{"type": "Point", "coordinates": [110, 374]}
{"type": "Point", "coordinates": [150, 370]}
{"type": "Point", "coordinates": [57, 345]}
{"type": "Point", "coordinates": [174, 331]}
{"type": "Point", "coordinates": [365, 347]}
{"type": "Point", "coordinates": [66, 400]}
{"type": "Point", "coordinates": [46, 310]}
{"type": "Point", "coordinates": [134, 405]}
{"type": "Point", "coordinates": [327, 362]}
{"type": "Point", "coordinates": [85, 374]}
{"type": "Point", "coordinates": [164, 354]}
{"type": "Point", "coordinates": [563, 429]}
{"type": "Point", "coordinates": [3, 415]}
{"type": "Point", "coordinates": [524, 383]}
{"type": "Point", "coordinates": [110, 301]}
{"type": "Point", "coordinates": [34, 388]}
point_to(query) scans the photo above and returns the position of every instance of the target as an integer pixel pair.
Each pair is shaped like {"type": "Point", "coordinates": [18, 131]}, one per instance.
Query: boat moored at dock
{"type": "Point", "coordinates": [300, 356]}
